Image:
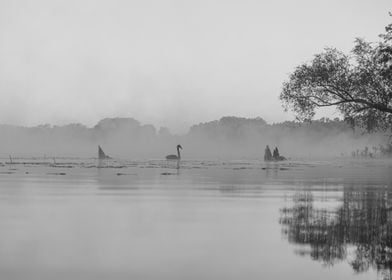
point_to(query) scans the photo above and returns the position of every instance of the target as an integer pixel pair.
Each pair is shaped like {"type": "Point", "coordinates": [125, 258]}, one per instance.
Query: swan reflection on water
{"type": "Point", "coordinates": [358, 231]}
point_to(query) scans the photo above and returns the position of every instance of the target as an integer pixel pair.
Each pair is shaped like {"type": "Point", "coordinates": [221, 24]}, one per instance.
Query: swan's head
{"type": "Point", "coordinates": [179, 147]}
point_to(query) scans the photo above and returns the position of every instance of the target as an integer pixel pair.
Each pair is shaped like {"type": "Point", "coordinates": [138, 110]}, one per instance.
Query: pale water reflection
{"type": "Point", "coordinates": [206, 220]}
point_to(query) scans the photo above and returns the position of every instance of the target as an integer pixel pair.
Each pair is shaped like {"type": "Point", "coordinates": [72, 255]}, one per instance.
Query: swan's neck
{"type": "Point", "coordinates": [178, 153]}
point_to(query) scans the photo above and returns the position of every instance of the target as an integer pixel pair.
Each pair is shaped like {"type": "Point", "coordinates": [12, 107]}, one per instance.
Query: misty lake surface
{"type": "Point", "coordinates": [119, 219]}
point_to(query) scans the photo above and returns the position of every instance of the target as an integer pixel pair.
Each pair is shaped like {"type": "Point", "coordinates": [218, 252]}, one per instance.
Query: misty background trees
{"type": "Point", "coordinates": [226, 138]}
{"type": "Point", "coordinates": [358, 84]}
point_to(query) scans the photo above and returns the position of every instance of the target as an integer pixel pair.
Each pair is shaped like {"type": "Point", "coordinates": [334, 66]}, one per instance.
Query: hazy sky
{"type": "Point", "coordinates": [169, 63]}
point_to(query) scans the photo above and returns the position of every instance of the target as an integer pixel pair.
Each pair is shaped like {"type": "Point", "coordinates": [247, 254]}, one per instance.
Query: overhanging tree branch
{"type": "Point", "coordinates": [359, 84]}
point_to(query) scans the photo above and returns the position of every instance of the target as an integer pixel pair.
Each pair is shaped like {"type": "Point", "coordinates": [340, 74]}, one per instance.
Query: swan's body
{"type": "Point", "coordinates": [178, 156]}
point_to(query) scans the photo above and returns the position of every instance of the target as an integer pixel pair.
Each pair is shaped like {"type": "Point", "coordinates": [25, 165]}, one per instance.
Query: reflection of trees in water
{"type": "Point", "coordinates": [360, 230]}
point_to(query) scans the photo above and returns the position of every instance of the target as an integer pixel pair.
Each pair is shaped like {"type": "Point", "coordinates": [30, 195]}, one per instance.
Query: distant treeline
{"type": "Point", "coordinates": [229, 137]}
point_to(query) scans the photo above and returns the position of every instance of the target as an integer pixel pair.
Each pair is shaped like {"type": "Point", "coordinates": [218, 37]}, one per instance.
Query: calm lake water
{"type": "Point", "coordinates": [205, 220]}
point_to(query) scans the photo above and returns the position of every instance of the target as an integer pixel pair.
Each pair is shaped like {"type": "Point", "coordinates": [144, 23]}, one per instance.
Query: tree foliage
{"type": "Point", "coordinates": [358, 84]}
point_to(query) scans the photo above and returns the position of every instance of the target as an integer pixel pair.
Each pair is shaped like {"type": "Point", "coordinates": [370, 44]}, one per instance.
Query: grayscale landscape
{"type": "Point", "coordinates": [205, 220]}
{"type": "Point", "coordinates": [218, 140]}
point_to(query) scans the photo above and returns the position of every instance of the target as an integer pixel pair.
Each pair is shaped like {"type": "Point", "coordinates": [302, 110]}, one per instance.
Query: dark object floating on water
{"type": "Point", "coordinates": [57, 173]}
{"type": "Point", "coordinates": [101, 153]}
{"type": "Point", "coordinates": [168, 173]}
{"type": "Point", "coordinates": [268, 156]}
{"type": "Point", "coordinates": [149, 166]}
{"type": "Point", "coordinates": [122, 174]}
{"type": "Point", "coordinates": [61, 166]}
{"type": "Point", "coordinates": [178, 156]}
{"type": "Point", "coordinates": [107, 166]}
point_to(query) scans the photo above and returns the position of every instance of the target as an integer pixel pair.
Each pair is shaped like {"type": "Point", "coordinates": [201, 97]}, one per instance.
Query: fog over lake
{"type": "Point", "coordinates": [226, 138]}
{"type": "Point", "coordinates": [195, 140]}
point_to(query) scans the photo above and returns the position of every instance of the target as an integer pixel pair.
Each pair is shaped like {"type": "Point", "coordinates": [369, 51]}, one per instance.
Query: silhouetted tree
{"type": "Point", "coordinates": [358, 84]}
